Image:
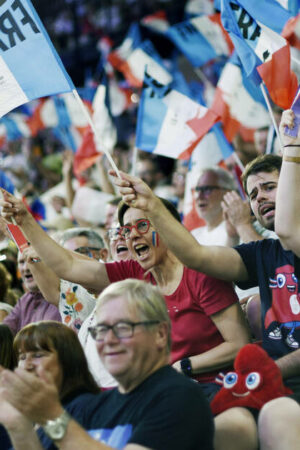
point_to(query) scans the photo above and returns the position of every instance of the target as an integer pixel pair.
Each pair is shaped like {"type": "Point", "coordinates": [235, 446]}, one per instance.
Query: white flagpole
{"type": "Point", "coordinates": [134, 161]}
{"type": "Point", "coordinates": [238, 161]}
{"type": "Point", "coordinates": [263, 90]}
{"type": "Point", "coordinates": [91, 123]}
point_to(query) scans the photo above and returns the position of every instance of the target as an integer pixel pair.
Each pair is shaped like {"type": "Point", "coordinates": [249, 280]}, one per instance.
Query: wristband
{"type": "Point", "coordinates": [186, 367]}
{"type": "Point", "coordinates": [293, 159]}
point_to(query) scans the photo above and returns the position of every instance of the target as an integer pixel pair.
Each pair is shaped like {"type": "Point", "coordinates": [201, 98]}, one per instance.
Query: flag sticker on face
{"type": "Point", "coordinates": [29, 65]}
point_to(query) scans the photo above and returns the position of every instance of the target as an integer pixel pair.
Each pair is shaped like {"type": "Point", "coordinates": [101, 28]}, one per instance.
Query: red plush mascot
{"type": "Point", "coordinates": [256, 380]}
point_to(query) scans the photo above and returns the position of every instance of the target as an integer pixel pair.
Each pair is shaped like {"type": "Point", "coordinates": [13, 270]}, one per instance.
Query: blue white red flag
{"type": "Point", "coordinates": [198, 7]}
{"type": "Point", "coordinates": [132, 40]}
{"type": "Point", "coordinates": [268, 12]}
{"type": "Point", "coordinates": [238, 102]}
{"type": "Point", "coordinates": [263, 53]}
{"type": "Point", "coordinates": [15, 126]}
{"type": "Point", "coordinates": [6, 183]}
{"type": "Point", "coordinates": [201, 39]}
{"type": "Point", "coordinates": [29, 65]}
{"type": "Point", "coordinates": [156, 22]}
{"type": "Point", "coordinates": [145, 55]}
{"type": "Point", "coordinates": [170, 123]}
{"type": "Point", "coordinates": [91, 148]}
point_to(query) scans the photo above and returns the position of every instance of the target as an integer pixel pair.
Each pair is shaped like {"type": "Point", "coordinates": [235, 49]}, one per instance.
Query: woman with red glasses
{"type": "Point", "coordinates": [208, 326]}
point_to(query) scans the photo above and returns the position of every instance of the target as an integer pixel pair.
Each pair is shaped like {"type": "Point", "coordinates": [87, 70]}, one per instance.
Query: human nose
{"type": "Point", "coordinates": [27, 363]}
{"type": "Point", "coordinates": [110, 336]}
{"type": "Point", "coordinates": [260, 196]}
{"type": "Point", "coordinates": [133, 231]}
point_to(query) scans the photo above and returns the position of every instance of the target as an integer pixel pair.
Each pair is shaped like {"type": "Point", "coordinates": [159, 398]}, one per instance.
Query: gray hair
{"type": "Point", "coordinates": [225, 178]}
{"type": "Point", "coordinates": [142, 297]}
{"type": "Point", "coordinates": [94, 238]}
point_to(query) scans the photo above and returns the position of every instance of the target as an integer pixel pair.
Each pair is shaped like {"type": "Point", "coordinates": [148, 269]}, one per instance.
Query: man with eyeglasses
{"type": "Point", "coordinates": [211, 187]}
{"type": "Point", "coordinates": [153, 407]}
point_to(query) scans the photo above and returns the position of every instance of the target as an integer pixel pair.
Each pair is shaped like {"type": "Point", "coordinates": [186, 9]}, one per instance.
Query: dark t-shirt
{"type": "Point", "coordinates": [165, 412]}
{"type": "Point", "coordinates": [271, 268]}
{"type": "Point", "coordinates": [75, 404]}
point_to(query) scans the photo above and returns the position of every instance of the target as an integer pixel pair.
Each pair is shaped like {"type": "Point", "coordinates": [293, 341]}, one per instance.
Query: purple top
{"type": "Point", "coordinates": [31, 307]}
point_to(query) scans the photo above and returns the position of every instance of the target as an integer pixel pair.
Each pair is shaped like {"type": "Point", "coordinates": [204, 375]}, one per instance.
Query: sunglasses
{"type": "Point", "coordinates": [141, 226]}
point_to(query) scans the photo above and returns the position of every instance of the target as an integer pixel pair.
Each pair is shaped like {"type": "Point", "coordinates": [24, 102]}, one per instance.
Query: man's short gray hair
{"type": "Point", "coordinates": [142, 297]}
{"type": "Point", "coordinates": [225, 178]}
{"type": "Point", "coordinates": [94, 238]}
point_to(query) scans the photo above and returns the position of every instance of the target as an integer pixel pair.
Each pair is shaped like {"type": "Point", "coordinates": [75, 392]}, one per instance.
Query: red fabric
{"type": "Point", "coordinates": [217, 19]}
{"type": "Point", "coordinates": [86, 154]}
{"type": "Point", "coordinates": [251, 358]}
{"type": "Point", "coordinates": [281, 82]}
{"type": "Point", "coordinates": [230, 125]}
{"type": "Point", "coordinates": [196, 298]}
{"type": "Point", "coordinates": [289, 34]}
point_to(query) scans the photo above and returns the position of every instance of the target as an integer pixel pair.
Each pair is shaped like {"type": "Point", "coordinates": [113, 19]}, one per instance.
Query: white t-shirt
{"type": "Point", "coordinates": [77, 309]}
{"type": "Point", "coordinates": [217, 236]}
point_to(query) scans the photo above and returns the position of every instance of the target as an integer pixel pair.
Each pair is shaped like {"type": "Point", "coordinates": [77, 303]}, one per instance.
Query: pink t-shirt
{"type": "Point", "coordinates": [197, 297]}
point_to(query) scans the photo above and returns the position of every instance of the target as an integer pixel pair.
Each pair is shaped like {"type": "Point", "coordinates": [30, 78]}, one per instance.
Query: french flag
{"type": "Point", "coordinates": [196, 8]}
{"type": "Point", "coordinates": [170, 123]}
{"type": "Point", "coordinates": [156, 22]}
{"type": "Point", "coordinates": [145, 55]}
{"type": "Point", "coordinates": [29, 65]}
{"type": "Point", "coordinates": [132, 40]}
{"type": "Point", "coordinates": [16, 126]}
{"type": "Point", "coordinates": [238, 101]}
{"type": "Point", "coordinates": [201, 39]}
{"type": "Point", "coordinates": [264, 53]}
{"type": "Point", "coordinates": [91, 148]}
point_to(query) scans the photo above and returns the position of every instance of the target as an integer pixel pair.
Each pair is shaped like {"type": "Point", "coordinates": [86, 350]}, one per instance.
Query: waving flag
{"type": "Point", "coordinates": [196, 7]}
{"type": "Point", "coordinates": [144, 56]}
{"type": "Point", "coordinates": [29, 65]}
{"type": "Point", "coordinates": [156, 22]}
{"type": "Point", "coordinates": [238, 101]}
{"type": "Point", "coordinates": [262, 51]}
{"type": "Point", "coordinates": [15, 125]}
{"type": "Point", "coordinates": [170, 123]}
{"type": "Point", "coordinates": [201, 39]}
{"type": "Point", "coordinates": [91, 148]}
{"type": "Point", "coordinates": [132, 40]}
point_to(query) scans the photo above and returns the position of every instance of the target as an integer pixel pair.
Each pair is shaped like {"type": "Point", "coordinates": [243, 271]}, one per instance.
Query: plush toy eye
{"type": "Point", "coordinates": [294, 278]}
{"type": "Point", "coordinates": [230, 380]}
{"type": "Point", "coordinates": [252, 380]}
{"type": "Point", "coordinates": [281, 280]}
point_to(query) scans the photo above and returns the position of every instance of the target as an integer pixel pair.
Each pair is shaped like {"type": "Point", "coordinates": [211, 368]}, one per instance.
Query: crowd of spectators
{"type": "Point", "coordinates": [135, 291]}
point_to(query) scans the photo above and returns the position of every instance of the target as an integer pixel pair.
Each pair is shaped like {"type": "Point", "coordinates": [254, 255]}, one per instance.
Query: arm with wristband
{"type": "Point", "coordinates": [287, 218]}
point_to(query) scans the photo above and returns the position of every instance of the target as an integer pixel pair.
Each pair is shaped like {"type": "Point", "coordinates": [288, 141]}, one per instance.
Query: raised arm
{"type": "Point", "coordinates": [220, 262]}
{"type": "Point", "coordinates": [47, 280]}
{"type": "Point", "coordinates": [66, 264]}
{"type": "Point", "coordinates": [287, 216]}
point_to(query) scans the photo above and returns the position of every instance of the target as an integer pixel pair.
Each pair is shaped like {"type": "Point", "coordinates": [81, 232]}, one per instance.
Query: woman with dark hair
{"type": "Point", "coordinates": [7, 355]}
{"type": "Point", "coordinates": [7, 360]}
{"type": "Point", "coordinates": [51, 349]}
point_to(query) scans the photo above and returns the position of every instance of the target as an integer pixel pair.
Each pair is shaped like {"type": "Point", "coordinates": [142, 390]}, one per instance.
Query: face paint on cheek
{"type": "Point", "coordinates": [155, 239]}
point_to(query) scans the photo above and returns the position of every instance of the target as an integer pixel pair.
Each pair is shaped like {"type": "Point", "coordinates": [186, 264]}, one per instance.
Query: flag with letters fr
{"type": "Point", "coordinates": [265, 55]}
{"type": "Point", "coordinates": [29, 64]}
